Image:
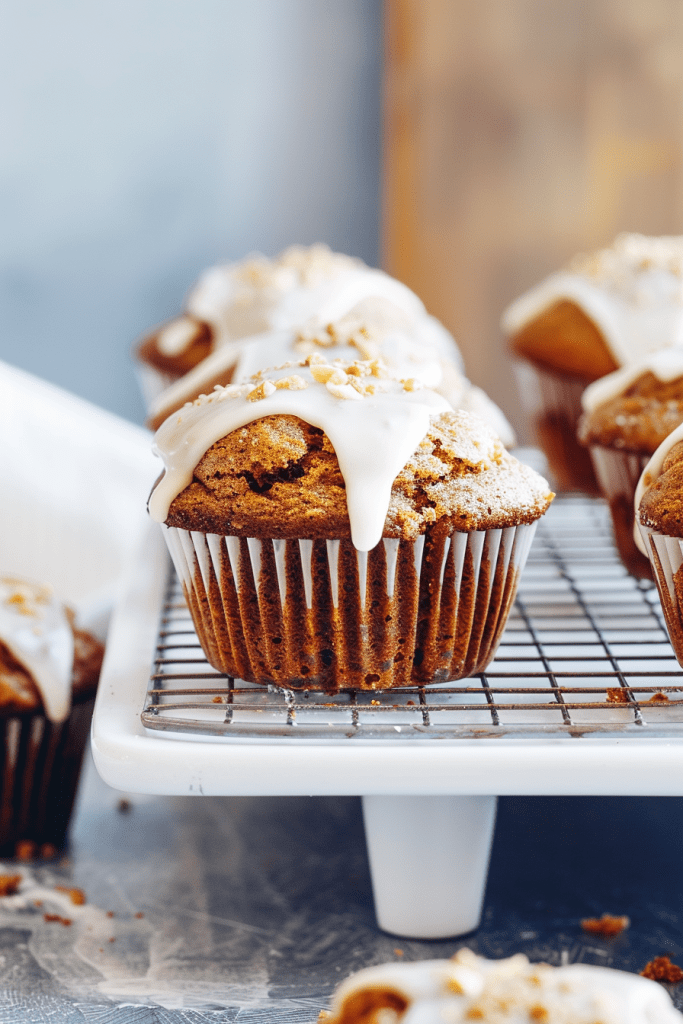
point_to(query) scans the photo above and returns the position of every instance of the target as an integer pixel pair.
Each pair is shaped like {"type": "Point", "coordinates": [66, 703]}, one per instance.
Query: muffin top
{"type": "Point", "coordinates": [43, 659]}
{"type": "Point", "coordinates": [632, 292]}
{"type": "Point", "coordinates": [318, 449]}
{"type": "Point", "coordinates": [637, 407]}
{"type": "Point", "coordinates": [468, 987]}
{"type": "Point", "coordinates": [659, 494]}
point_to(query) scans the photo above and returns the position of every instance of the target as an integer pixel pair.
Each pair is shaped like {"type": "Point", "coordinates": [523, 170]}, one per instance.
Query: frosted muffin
{"type": "Point", "coordinates": [303, 289]}
{"type": "Point", "coordinates": [605, 311]}
{"type": "Point", "coordinates": [659, 518]}
{"type": "Point", "coordinates": [411, 344]}
{"type": "Point", "coordinates": [468, 988]}
{"type": "Point", "coordinates": [336, 527]}
{"type": "Point", "coordinates": [48, 676]}
{"type": "Point", "coordinates": [627, 415]}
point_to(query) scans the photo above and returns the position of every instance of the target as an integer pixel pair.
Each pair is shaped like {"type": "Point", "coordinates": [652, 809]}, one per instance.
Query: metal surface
{"type": "Point", "coordinates": [585, 652]}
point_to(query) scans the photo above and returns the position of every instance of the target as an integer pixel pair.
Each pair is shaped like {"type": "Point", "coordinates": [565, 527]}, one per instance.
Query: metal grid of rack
{"type": "Point", "coordinates": [585, 652]}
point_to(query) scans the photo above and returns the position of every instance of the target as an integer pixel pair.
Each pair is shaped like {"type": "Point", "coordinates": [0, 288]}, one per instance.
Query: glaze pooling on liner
{"type": "Point", "coordinates": [373, 437]}
{"type": "Point", "coordinates": [632, 291]}
{"type": "Point", "coordinates": [36, 631]}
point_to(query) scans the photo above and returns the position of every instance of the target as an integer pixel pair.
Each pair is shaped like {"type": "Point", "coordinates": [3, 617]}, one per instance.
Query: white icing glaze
{"type": "Point", "coordinates": [36, 631]}
{"type": "Point", "coordinates": [439, 991]}
{"type": "Point", "coordinates": [666, 365]}
{"type": "Point", "coordinates": [651, 473]}
{"type": "Point", "coordinates": [302, 285]}
{"type": "Point", "coordinates": [632, 291]}
{"type": "Point", "coordinates": [419, 348]}
{"type": "Point", "coordinates": [373, 435]}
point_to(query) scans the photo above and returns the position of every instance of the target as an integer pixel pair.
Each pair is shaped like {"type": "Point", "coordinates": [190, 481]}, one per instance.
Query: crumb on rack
{"type": "Point", "coordinates": [9, 884]}
{"type": "Point", "coordinates": [607, 926]}
{"type": "Point", "coordinates": [616, 695]}
{"type": "Point", "coordinates": [77, 896]}
{"type": "Point", "coordinates": [57, 918]}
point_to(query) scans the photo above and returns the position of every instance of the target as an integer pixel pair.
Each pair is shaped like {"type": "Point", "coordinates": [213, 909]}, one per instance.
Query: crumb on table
{"type": "Point", "coordinates": [661, 969]}
{"type": "Point", "coordinates": [608, 925]}
{"type": "Point", "coordinates": [9, 884]}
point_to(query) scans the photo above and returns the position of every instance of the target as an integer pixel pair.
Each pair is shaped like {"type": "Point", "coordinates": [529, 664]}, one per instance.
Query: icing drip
{"type": "Point", "coordinates": [666, 365]}
{"type": "Point", "coordinates": [632, 291]}
{"type": "Point", "coordinates": [374, 424]}
{"type": "Point", "coordinates": [36, 631]}
{"type": "Point", "coordinates": [468, 987]}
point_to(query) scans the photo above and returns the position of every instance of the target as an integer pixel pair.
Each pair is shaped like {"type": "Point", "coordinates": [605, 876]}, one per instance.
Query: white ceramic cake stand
{"type": "Point", "coordinates": [429, 803]}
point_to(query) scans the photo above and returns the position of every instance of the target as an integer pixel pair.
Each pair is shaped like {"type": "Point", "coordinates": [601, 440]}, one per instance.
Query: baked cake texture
{"type": "Point", "coordinates": [49, 671]}
{"type": "Point", "coordinates": [606, 310]}
{"type": "Point", "coordinates": [627, 415]}
{"type": "Point", "coordinates": [335, 526]}
{"type": "Point", "coordinates": [511, 991]}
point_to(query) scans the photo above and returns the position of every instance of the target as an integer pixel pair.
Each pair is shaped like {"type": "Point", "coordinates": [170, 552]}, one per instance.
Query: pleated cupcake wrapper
{"type": "Point", "coordinates": [318, 614]}
{"type": "Point", "coordinates": [39, 778]}
{"type": "Point", "coordinates": [666, 557]}
{"type": "Point", "coordinates": [618, 474]}
{"type": "Point", "coordinates": [553, 403]}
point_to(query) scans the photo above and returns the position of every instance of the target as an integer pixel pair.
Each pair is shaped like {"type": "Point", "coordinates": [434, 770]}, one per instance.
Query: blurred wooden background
{"type": "Point", "coordinates": [517, 133]}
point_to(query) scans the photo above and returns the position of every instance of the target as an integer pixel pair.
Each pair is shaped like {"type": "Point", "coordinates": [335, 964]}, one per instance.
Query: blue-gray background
{"type": "Point", "coordinates": [143, 140]}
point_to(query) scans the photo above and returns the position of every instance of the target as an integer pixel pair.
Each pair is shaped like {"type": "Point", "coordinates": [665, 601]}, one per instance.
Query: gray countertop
{"type": "Point", "coordinates": [254, 908]}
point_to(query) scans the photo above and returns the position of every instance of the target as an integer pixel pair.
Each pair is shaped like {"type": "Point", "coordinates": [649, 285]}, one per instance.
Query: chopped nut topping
{"type": "Point", "coordinates": [265, 388]}
{"type": "Point", "coordinates": [292, 383]}
{"type": "Point", "coordinates": [343, 391]}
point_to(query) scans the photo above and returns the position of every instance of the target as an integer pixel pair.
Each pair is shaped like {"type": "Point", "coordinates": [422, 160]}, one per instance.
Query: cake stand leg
{"type": "Point", "coordinates": [429, 858]}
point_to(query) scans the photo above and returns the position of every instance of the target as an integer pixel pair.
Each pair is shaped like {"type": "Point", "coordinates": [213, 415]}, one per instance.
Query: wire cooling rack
{"type": "Point", "coordinates": [585, 651]}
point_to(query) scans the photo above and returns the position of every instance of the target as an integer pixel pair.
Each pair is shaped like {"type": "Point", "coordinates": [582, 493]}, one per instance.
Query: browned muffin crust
{"type": "Point", "coordinates": [18, 691]}
{"type": "Point", "coordinates": [279, 477]}
{"type": "Point", "coordinates": [565, 340]}
{"type": "Point", "coordinates": [661, 507]}
{"type": "Point", "coordinates": [638, 420]}
{"type": "Point", "coordinates": [199, 347]}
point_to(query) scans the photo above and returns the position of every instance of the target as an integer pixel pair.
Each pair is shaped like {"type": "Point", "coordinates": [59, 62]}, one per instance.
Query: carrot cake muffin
{"type": "Point", "coordinates": [659, 518]}
{"type": "Point", "coordinates": [605, 311]}
{"type": "Point", "coordinates": [512, 991]}
{"type": "Point", "coordinates": [303, 287]}
{"type": "Point", "coordinates": [375, 328]}
{"type": "Point", "coordinates": [48, 676]}
{"type": "Point", "coordinates": [335, 526]}
{"type": "Point", "coordinates": [627, 415]}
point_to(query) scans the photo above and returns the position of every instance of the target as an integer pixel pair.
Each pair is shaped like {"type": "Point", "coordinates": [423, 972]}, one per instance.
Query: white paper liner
{"type": "Point", "coordinates": [320, 614]}
{"type": "Point", "coordinates": [666, 558]}
{"type": "Point", "coordinates": [553, 403]}
{"type": "Point", "coordinates": [618, 474]}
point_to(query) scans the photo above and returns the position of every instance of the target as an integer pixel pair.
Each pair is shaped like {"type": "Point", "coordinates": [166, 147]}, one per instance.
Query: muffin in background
{"type": "Point", "coordinates": [336, 527]}
{"type": "Point", "coordinates": [627, 415]}
{"type": "Point", "coordinates": [302, 289]}
{"type": "Point", "coordinates": [49, 671]}
{"type": "Point", "coordinates": [606, 310]}
{"type": "Point", "coordinates": [468, 987]}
